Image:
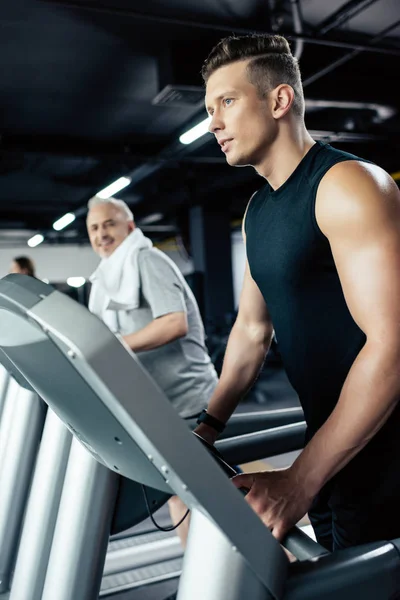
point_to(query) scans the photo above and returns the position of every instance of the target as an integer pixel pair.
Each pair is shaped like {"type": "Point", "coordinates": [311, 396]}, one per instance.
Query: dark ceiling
{"type": "Point", "coordinates": [83, 101]}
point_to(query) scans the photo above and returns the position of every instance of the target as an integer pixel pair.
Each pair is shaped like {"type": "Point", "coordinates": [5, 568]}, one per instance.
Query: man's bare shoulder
{"type": "Point", "coordinates": [356, 192]}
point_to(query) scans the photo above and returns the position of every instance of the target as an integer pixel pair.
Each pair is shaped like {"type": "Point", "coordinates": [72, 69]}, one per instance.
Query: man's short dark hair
{"type": "Point", "coordinates": [271, 63]}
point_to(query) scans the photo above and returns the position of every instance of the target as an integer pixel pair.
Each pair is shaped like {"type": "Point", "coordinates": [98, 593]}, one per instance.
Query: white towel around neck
{"type": "Point", "coordinates": [115, 282]}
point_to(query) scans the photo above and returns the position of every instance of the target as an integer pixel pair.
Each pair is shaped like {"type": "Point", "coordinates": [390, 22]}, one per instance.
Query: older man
{"type": "Point", "coordinates": [140, 293]}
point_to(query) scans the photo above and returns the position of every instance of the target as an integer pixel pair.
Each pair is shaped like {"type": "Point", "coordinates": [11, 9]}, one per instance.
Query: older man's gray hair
{"type": "Point", "coordinates": [120, 204]}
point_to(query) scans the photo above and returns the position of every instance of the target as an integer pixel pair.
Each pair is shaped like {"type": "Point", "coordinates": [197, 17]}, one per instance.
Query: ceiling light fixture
{"type": "Point", "coordinates": [153, 218]}
{"type": "Point", "coordinates": [115, 187]}
{"type": "Point", "coordinates": [63, 221]}
{"type": "Point", "coordinates": [195, 132]}
{"type": "Point", "coordinates": [35, 240]}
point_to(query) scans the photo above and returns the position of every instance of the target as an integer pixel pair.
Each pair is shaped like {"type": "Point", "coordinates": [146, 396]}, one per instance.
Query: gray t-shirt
{"type": "Point", "coordinates": [182, 368]}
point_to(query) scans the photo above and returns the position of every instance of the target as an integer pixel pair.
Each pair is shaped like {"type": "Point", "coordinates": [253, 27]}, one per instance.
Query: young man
{"type": "Point", "coordinates": [140, 293]}
{"type": "Point", "coordinates": [323, 249]}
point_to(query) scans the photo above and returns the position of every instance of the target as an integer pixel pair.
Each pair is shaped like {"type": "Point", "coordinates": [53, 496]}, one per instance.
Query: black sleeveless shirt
{"type": "Point", "coordinates": [291, 261]}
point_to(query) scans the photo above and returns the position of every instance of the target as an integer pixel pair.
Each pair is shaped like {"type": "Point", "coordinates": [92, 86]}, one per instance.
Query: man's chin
{"type": "Point", "coordinates": [235, 161]}
{"type": "Point", "coordinates": [231, 160]}
{"type": "Point", "coordinates": [105, 252]}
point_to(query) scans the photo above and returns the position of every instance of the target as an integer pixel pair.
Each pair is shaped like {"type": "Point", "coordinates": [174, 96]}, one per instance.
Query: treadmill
{"type": "Point", "coordinates": [120, 419]}
{"type": "Point", "coordinates": [39, 473]}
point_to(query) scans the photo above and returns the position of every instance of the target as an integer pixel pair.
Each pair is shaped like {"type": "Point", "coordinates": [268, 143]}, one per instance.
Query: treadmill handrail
{"type": "Point", "coordinates": [368, 571]}
{"type": "Point", "coordinates": [302, 546]}
{"type": "Point", "coordinates": [247, 422]}
{"type": "Point", "coordinates": [261, 444]}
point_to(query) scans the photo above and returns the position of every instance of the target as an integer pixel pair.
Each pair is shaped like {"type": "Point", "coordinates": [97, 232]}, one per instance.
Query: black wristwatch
{"type": "Point", "coordinates": [211, 421]}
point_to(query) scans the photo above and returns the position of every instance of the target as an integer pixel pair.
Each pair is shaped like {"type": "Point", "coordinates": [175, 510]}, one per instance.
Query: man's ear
{"type": "Point", "coordinates": [131, 226]}
{"type": "Point", "coordinates": [282, 100]}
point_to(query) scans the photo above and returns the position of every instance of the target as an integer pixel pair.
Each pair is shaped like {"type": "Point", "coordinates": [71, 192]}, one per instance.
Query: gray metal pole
{"type": "Point", "coordinates": [82, 530]}
{"type": "Point", "coordinates": [26, 425]}
{"type": "Point", "coordinates": [127, 559]}
{"type": "Point", "coordinates": [42, 509]}
{"type": "Point", "coordinates": [7, 416]}
{"type": "Point", "coordinates": [224, 573]}
{"type": "Point", "coordinates": [4, 381]}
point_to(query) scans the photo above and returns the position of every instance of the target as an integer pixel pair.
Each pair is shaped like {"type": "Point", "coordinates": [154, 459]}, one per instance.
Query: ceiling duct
{"type": "Point", "coordinates": [298, 27]}
{"type": "Point", "coordinates": [174, 89]}
{"type": "Point", "coordinates": [180, 96]}
{"type": "Point", "coordinates": [344, 14]}
{"type": "Point", "coordinates": [382, 112]}
{"type": "Point", "coordinates": [195, 24]}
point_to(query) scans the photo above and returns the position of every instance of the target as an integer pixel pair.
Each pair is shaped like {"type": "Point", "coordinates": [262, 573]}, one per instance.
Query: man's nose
{"type": "Point", "coordinates": [216, 123]}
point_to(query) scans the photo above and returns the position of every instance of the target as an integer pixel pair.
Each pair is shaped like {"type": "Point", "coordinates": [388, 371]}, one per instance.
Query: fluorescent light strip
{"type": "Point", "coordinates": [35, 240]}
{"type": "Point", "coordinates": [63, 221]}
{"type": "Point", "coordinates": [153, 218]}
{"type": "Point", "coordinates": [115, 187]}
{"type": "Point", "coordinates": [196, 132]}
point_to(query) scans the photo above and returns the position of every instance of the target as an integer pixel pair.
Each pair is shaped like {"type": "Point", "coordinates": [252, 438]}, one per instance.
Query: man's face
{"type": "Point", "coordinates": [241, 122]}
{"type": "Point", "coordinates": [107, 228]}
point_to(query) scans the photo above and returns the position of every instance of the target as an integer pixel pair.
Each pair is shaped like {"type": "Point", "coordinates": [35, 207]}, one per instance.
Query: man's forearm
{"type": "Point", "coordinates": [243, 360]}
{"type": "Point", "coordinates": [369, 396]}
{"type": "Point", "coordinates": [159, 332]}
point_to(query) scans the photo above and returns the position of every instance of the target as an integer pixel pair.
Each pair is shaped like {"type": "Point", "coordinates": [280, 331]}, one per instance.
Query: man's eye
{"type": "Point", "coordinates": [228, 101]}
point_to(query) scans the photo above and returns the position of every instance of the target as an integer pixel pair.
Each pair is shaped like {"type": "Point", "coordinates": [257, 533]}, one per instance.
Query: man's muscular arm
{"type": "Point", "coordinates": [247, 347]}
{"type": "Point", "coordinates": [358, 209]}
{"type": "Point", "coordinates": [361, 218]}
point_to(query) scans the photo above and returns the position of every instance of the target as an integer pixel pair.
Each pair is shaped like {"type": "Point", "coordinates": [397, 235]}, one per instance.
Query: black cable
{"type": "Point", "coordinates": [172, 527]}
